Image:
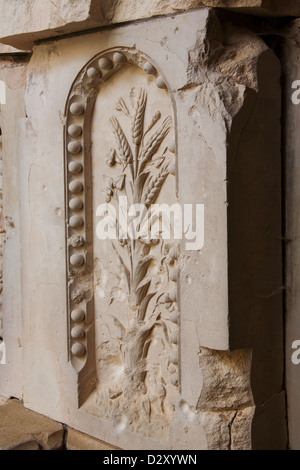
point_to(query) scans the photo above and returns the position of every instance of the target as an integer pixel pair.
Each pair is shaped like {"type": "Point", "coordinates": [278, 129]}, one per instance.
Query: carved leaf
{"type": "Point", "coordinates": [153, 121]}
{"type": "Point", "coordinates": [146, 347]}
{"type": "Point", "coordinates": [158, 160]}
{"type": "Point", "coordinates": [125, 269]}
{"type": "Point", "coordinates": [139, 185]}
{"type": "Point", "coordinates": [121, 106]}
{"type": "Point", "coordinates": [141, 290]}
{"type": "Point", "coordinates": [146, 406]}
{"type": "Point", "coordinates": [144, 305]}
{"type": "Point", "coordinates": [119, 182]}
{"type": "Point", "coordinates": [165, 330]}
{"type": "Point", "coordinates": [119, 325]}
{"type": "Point", "coordinates": [141, 269]}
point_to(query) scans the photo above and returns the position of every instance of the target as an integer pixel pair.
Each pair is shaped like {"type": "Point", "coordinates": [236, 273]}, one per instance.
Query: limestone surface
{"type": "Point", "coordinates": [22, 429]}
{"type": "Point", "coordinates": [22, 23]}
{"type": "Point", "coordinates": [146, 342]}
{"type": "Point", "coordinates": [77, 440]}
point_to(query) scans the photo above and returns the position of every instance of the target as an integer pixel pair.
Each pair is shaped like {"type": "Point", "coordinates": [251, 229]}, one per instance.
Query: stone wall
{"type": "Point", "coordinates": [147, 343]}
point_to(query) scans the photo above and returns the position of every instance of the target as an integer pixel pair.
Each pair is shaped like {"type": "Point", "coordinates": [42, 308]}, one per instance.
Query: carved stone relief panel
{"type": "Point", "coordinates": [123, 312]}
{"type": "Point", "coordinates": [138, 357]}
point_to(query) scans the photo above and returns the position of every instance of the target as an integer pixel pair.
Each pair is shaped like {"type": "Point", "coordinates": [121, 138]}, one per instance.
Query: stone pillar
{"type": "Point", "coordinates": [13, 74]}
{"type": "Point", "coordinates": [147, 343]}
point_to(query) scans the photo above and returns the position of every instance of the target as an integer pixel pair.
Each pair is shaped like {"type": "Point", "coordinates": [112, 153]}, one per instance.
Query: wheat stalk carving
{"type": "Point", "coordinates": [143, 183]}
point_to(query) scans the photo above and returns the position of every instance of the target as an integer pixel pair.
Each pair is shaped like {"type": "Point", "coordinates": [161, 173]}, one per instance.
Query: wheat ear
{"type": "Point", "coordinates": [154, 187]}
{"type": "Point", "coordinates": [138, 120]}
{"type": "Point", "coordinates": [154, 142]}
{"type": "Point", "coordinates": [122, 143]}
{"type": "Point", "coordinates": [153, 121]}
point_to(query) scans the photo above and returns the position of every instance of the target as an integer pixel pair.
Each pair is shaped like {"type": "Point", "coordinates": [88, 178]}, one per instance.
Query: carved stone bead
{"type": "Point", "coordinates": [77, 315]}
{"type": "Point", "coordinates": [76, 109]}
{"type": "Point", "coordinates": [149, 68]}
{"type": "Point", "coordinates": [173, 295]}
{"type": "Point", "coordinates": [75, 204]}
{"type": "Point", "coordinates": [119, 58]}
{"type": "Point", "coordinates": [76, 221]}
{"type": "Point", "coordinates": [76, 241]}
{"type": "Point", "coordinates": [169, 259]}
{"type": "Point", "coordinates": [174, 358]}
{"type": "Point", "coordinates": [77, 332]}
{"type": "Point", "coordinates": [173, 253]}
{"type": "Point", "coordinates": [74, 147]}
{"type": "Point", "coordinates": [77, 260]}
{"type": "Point", "coordinates": [160, 82]}
{"type": "Point", "coordinates": [93, 73]}
{"type": "Point", "coordinates": [74, 130]}
{"type": "Point", "coordinates": [172, 169]}
{"type": "Point", "coordinates": [75, 187]}
{"type": "Point", "coordinates": [174, 338]}
{"type": "Point", "coordinates": [174, 317]}
{"type": "Point", "coordinates": [105, 63]}
{"type": "Point", "coordinates": [78, 349]}
{"type": "Point", "coordinates": [172, 147]}
{"type": "Point", "coordinates": [174, 275]}
{"type": "Point", "coordinates": [75, 168]}
{"type": "Point", "coordinates": [174, 379]}
{"type": "Point", "coordinates": [78, 296]}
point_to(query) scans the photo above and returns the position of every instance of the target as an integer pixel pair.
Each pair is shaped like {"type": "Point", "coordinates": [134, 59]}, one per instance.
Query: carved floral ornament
{"type": "Point", "coordinates": [141, 164]}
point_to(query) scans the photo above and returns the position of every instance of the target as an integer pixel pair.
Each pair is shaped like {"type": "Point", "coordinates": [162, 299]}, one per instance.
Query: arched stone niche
{"type": "Point", "coordinates": [123, 315]}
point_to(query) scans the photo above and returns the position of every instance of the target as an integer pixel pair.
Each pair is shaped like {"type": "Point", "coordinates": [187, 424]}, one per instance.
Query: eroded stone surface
{"type": "Point", "coordinates": [226, 378]}
{"type": "Point", "coordinates": [22, 23]}
{"type": "Point", "coordinates": [22, 429]}
{"type": "Point", "coordinates": [77, 440]}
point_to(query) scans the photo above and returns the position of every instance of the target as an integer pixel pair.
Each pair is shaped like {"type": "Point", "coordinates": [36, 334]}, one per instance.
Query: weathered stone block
{"type": "Point", "coordinates": [22, 429]}
{"type": "Point", "coordinates": [22, 23]}
{"type": "Point", "coordinates": [130, 340]}
{"type": "Point", "coordinates": [77, 440]}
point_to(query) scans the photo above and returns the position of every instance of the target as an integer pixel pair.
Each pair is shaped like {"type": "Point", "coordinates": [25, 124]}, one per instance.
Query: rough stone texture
{"type": "Point", "coordinates": [22, 429]}
{"type": "Point", "coordinates": [220, 81]}
{"type": "Point", "coordinates": [22, 22]}
{"type": "Point", "coordinates": [226, 380]}
{"type": "Point", "coordinates": [241, 429]}
{"type": "Point", "coordinates": [77, 440]}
